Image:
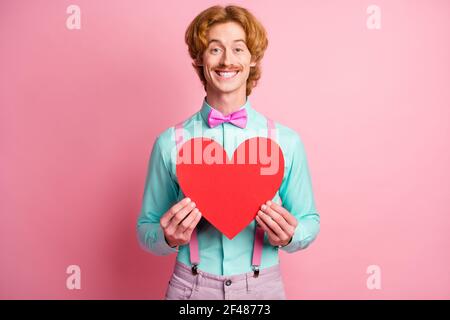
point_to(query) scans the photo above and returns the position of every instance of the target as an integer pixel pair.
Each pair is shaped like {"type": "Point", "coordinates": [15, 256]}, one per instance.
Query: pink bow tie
{"type": "Point", "coordinates": [238, 118]}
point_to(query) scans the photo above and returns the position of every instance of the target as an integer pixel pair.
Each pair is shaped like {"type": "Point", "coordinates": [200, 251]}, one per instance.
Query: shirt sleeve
{"type": "Point", "coordinates": [160, 193]}
{"type": "Point", "coordinates": [297, 197]}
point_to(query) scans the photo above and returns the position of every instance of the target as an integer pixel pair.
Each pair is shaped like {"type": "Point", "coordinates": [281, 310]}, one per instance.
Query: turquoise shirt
{"type": "Point", "coordinates": [218, 254]}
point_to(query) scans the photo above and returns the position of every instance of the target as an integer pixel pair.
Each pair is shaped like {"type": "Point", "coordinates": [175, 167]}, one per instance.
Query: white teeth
{"type": "Point", "coordinates": [227, 74]}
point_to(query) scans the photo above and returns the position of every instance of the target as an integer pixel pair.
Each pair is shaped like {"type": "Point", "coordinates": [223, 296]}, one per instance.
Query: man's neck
{"type": "Point", "coordinates": [226, 103]}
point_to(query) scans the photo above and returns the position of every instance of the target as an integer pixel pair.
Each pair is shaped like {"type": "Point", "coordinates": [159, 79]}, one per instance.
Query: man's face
{"type": "Point", "coordinates": [226, 60]}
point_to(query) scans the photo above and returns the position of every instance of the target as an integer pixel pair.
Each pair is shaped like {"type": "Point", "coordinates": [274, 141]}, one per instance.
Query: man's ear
{"type": "Point", "coordinates": [198, 62]}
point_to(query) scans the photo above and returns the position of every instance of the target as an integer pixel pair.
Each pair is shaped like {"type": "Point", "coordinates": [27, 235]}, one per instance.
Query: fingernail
{"type": "Point", "coordinates": [269, 203]}
{"type": "Point", "coordinates": [193, 204]}
{"type": "Point", "coordinates": [188, 200]}
{"type": "Point", "coordinates": [263, 207]}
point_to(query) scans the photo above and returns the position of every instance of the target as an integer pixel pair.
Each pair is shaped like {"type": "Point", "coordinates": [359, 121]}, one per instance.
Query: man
{"type": "Point", "coordinates": [226, 45]}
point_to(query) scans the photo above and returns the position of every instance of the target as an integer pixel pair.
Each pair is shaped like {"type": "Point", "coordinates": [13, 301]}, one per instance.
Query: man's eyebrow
{"type": "Point", "coordinates": [216, 40]}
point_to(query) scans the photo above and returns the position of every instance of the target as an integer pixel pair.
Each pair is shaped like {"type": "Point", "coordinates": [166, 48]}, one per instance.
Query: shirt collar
{"type": "Point", "coordinates": [206, 108]}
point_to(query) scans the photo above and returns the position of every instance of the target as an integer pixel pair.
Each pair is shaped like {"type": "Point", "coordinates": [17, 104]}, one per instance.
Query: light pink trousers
{"type": "Point", "coordinates": [184, 285]}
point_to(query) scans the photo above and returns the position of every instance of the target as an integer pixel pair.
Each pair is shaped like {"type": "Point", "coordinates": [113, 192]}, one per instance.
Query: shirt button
{"type": "Point", "coordinates": [228, 283]}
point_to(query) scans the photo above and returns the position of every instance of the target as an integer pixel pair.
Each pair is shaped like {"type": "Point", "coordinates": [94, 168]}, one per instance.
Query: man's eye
{"type": "Point", "coordinates": [239, 49]}
{"type": "Point", "coordinates": [215, 50]}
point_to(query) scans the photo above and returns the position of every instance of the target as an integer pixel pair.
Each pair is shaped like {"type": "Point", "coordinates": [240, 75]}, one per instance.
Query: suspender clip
{"type": "Point", "coordinates": [194, 268]}
{"type": "Point", "coordinates": [255, 271]}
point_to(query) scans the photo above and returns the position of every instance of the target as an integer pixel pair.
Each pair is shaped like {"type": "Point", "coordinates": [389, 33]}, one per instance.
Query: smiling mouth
{"type": "Point", "coordinates": [226, 74]}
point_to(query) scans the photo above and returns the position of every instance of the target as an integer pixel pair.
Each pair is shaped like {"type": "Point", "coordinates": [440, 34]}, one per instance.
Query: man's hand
{"type": "Point", "coordinates": [179, 222]}
{"type": "Point", "coordinates": [279, 223]}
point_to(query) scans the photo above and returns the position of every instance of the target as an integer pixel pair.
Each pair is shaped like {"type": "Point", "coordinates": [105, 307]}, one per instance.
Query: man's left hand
{"type": "Point", "coordinates": [279, 223]}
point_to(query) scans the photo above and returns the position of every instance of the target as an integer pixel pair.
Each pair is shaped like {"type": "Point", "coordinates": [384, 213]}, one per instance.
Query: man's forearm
{"type": "Point", "coordinates": [151, 238]}
{"type": "Point", "coordinates": [306, 231]}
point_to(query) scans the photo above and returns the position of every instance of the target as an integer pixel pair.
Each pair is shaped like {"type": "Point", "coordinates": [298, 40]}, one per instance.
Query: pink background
{"type": "Point", "coordinates": [80, 110]}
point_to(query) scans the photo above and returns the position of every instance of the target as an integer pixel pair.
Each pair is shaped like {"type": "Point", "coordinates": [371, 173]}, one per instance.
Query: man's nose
{"type": "Point", "coordinates": [226, 57]}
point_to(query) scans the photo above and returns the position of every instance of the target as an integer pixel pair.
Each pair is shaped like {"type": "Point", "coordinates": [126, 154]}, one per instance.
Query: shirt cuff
{"type": "Point", "coordinates": [151, 239]}
{"type": "Point", "coordinates": [165, 240]}
{"type": "Point", "coordinates": [164, 245]}
{"type": "Point", "coordinates": [292, 246]}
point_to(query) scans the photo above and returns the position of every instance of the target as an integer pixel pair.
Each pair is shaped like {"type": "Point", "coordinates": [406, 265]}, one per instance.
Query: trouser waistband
{"type": "Point", "coordinates": [244, 280]}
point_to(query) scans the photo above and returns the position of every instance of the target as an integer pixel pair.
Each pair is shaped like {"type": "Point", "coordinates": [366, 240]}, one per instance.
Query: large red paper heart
{"type": "Point", "coordinates": [229, 192]}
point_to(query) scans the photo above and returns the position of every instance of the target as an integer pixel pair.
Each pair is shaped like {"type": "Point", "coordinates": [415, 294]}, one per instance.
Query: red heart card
{"type": "Point", "coordinates": [229, 192]}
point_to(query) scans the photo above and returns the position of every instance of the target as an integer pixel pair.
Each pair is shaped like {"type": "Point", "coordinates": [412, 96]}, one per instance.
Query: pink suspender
{"type": "Point", "coordinates": [259, 232]}
{"type": "Point", "coordinates": [193, 244]}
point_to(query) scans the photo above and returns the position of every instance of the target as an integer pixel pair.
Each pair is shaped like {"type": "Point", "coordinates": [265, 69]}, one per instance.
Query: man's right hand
{"type": "Point", "coordinates": [179, 222]}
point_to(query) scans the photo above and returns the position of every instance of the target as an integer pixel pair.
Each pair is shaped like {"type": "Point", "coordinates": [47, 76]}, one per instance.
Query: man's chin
{"type": "Point", "coordinates": [226, 89]}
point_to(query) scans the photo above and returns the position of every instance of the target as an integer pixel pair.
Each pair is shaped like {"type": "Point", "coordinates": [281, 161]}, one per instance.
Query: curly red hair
{"type": "Point", "coordinates": [256, 37]}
